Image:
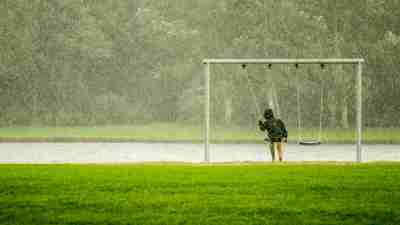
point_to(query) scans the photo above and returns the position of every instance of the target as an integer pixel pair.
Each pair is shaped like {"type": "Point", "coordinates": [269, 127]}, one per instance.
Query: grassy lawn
{"type": "Point", "coordinates": [179, 132]}
{"type": "Point", "coordinates": [200, 194]}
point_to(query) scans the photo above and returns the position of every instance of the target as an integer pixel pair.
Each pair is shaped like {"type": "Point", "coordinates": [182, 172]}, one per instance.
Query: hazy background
{"type": "Point", "coordinates": [87, 63]}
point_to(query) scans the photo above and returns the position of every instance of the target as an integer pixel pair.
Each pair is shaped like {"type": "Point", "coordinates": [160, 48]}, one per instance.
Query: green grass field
{"type": "Point", "coordinates": [179, 132]}
{"type": "Point", "coordinates": [200, 194]}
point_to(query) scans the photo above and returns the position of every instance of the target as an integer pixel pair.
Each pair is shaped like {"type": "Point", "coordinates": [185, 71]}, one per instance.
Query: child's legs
{"type": "Point", "coordinates": [272, 150]}
{"type": "Point", "coordinates": [280, 148]}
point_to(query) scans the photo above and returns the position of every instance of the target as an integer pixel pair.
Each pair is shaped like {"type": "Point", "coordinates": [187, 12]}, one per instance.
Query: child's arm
{"type": "Point", "coordinates": [261, 125]}
{"type": "Point", "coordinates": [285, 132]}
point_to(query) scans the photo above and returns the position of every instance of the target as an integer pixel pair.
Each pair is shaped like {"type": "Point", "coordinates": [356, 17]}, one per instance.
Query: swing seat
{"type": "Point", "coordinates": [310, 142]}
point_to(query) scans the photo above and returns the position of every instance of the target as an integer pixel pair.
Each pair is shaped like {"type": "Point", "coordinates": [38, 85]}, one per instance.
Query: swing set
{"type": "Point", "coordinates": [296, 63]}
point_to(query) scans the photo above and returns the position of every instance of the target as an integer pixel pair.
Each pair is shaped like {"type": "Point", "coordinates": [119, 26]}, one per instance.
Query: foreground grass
{"type": "Point", "coordinates": [182, 132]}
{"type": "Point", "coordinates": [200, 194]}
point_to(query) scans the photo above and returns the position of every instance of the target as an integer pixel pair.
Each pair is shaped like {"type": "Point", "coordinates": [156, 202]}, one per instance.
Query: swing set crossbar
{"type": "Point", "coordinates": [283, 61]}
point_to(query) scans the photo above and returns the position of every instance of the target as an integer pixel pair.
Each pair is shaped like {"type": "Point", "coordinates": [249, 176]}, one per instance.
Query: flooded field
{"type": "Point", "coordinates": [182, 152]}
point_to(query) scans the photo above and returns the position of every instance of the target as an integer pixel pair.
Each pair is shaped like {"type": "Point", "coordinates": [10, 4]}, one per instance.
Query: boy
{"type": "Point", "coordinates": [277, 133]}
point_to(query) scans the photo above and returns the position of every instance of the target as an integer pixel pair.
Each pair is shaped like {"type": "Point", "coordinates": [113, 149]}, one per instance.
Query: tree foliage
{"type": "Point", "coordinates": [79, 62]}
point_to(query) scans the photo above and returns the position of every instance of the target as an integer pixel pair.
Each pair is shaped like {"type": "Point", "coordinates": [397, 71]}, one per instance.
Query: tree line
{"type": "Point", "coordinates": [89, 62]}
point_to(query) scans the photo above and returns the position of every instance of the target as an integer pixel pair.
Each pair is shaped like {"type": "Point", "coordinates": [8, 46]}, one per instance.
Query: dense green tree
{"type": "Point", "coordinates": [77, 62]}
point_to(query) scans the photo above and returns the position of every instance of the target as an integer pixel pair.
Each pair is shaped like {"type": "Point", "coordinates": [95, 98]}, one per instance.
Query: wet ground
{"type": "Point", "coordinates": [182, 152]}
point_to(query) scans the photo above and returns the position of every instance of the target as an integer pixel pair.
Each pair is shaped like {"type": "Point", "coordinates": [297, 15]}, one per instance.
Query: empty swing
{"type": "Point", "coordinates": [300, 139]}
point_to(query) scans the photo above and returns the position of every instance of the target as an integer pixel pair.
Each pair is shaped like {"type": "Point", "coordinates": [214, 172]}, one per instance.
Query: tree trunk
{"type": "Point", "coordinates": [332, 112]}
{"type": "Point", "coordinates": [228, 109]}
{"type": "Point", "coordinates": [345, 120]}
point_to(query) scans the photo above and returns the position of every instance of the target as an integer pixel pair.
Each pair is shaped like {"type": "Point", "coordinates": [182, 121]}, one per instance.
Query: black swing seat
{"type": "Point", "coordinates": [310, 142]}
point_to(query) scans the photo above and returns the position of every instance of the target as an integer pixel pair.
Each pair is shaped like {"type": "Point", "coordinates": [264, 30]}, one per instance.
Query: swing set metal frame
{"type": "Point", "coordinates": [323, 61]}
